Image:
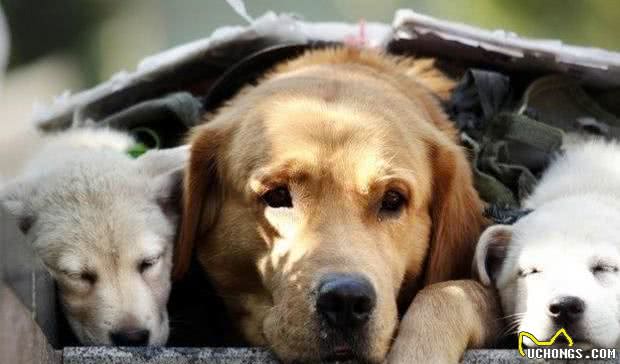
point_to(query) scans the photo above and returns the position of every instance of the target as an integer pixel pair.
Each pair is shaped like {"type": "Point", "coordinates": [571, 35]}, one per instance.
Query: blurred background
{"type": "Point", "coordinates": [59, 45]}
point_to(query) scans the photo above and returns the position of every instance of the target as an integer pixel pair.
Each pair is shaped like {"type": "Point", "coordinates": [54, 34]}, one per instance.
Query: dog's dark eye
{"type": "Point", "coordinates": [88, 277]}
{"type": "Point", "coordinates": [604, 268]}
{"type": "Point", "coordinates": [278, 197]}
{"type": "Point", "coordinates": [147, 263]}
{"type": "Point", "coordinates": [392, 201]}
{"type": "Point", "coordinates": [527, 272]}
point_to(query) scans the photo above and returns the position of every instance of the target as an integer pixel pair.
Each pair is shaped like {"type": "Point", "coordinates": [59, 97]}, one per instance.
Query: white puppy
{"type": "Point", "coordinates": [557, 267]}
{"type": "Point", "coordinates": [103, 224]}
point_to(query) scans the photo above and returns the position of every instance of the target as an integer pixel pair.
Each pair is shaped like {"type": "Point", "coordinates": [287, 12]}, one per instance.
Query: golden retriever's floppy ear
{"type": "Point", "coordinates": [424, 71]}
{"type": "Point", "coordinates": [201, 194]}
{"type": "Point", "coordinates": [456, 213]}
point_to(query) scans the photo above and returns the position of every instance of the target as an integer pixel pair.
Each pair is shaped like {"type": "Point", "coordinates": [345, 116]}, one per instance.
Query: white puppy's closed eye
{"type": "Point", "coordinates": [526, 272]}
{"type": "Point", "coordinates": [490, 253]}
{"type": "Point", "coordinates": [601, 266]}
{"type": "Point", "coordinates": [148, 263]}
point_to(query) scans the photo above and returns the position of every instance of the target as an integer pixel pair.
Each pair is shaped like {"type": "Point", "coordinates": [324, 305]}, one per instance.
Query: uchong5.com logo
{"type": "Point", "coordinates": [545, 350]}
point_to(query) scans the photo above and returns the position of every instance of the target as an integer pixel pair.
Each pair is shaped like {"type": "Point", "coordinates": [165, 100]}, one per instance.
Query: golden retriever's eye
{"type": "Point", "coordinates": [147, 263]}
{"type": "Point", "coordinates": [392, 201]}
{"type": "Point", "coordinates": [278, 197]}
{"type": "Point", "coordinates": [88, 277]}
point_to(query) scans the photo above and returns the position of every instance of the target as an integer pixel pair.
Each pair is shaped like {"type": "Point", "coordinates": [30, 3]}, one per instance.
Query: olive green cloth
{"type": "Point", "coordinates": [512, 142]}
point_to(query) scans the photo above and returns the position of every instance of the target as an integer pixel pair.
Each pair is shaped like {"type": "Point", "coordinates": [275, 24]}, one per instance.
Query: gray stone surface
{"type": "Point", "coordinates": [497, 356]}
{"type": "Point", "coordinates": [100, 355]}
{"type": "Point", "coordinates": [513, 356]}
{"type": "Point", "coordinates": [103, 355]}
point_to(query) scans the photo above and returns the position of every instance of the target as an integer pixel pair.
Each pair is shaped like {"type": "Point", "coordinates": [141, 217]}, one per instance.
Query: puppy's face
{"type": "Point", "coordinates": [553, 274]}
{"type": "Point", "coordinates": [106, 236]}
{"type": "Point", "coordinates": [113, 271]}
{"type": "Point", "coordinates": [314, 211]}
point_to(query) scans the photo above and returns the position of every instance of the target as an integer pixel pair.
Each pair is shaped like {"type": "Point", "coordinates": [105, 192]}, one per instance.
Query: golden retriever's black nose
{"type": "Point", "coordinates": [130, 337]}
{"type": "Point", "coordinates": [345, 301]}
{"type": "Point", "coordinates": [567, 309]}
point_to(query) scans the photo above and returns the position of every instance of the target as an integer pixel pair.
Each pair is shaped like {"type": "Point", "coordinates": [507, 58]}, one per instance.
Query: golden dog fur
{"type": "Point", "coordinates": [338, 128]}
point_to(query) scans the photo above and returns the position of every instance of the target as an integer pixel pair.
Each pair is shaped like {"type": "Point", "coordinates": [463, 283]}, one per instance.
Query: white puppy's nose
{"type": "Point", "coordinates": [130, 337]}
{"type": "Point", "coordinates": [567, 309]}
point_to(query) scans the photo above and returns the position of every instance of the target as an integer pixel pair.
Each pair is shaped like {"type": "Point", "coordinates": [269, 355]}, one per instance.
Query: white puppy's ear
{"type": "Point", "coordinates": [167, 189]}
{"type": "Point", "coordinates": [491, 251]}
{"type": "Point", "coordinates": [14, 197]}
{"type": "Point", "coordinates": [165, 167]}
{"type": "Point", "coordinates": [156, 162]}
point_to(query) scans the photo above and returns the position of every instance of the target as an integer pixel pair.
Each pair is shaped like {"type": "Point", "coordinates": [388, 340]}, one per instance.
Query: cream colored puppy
{"type": "Point", "coordinates": [103, 224]}
{"type": "Point", "coordinates": [557, 267]}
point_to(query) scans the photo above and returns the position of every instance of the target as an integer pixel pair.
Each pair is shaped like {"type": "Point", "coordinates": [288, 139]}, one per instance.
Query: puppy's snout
{"type": "Point", "coordinates": [130, 337]}
{"type": "Point", "coordinates": [345, 301]}
{"type": "Point", "coordinates": [567, 309]}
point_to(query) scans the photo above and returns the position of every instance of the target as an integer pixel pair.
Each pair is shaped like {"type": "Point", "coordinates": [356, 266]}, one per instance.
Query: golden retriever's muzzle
{"type": "Point", "coordinates": [344, 304]}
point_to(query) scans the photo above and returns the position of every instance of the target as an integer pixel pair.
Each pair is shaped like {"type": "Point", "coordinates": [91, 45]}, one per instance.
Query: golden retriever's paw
{"type": "Point", "coordinates": [424, 351]}
{"type": "Point", "coordinates": [443, 321]}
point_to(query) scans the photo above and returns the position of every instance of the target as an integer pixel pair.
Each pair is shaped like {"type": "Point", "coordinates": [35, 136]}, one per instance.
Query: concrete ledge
{"type": "Point", "coordinates": [513, 356]}
{"type": "Point", "coordinates": [104, 355]}
{"type": "Point", "coordinates": [110, 355]}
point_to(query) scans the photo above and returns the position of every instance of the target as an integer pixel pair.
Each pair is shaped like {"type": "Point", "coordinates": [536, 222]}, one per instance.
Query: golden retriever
{"type": "Point", "coordinates": [321, 200]}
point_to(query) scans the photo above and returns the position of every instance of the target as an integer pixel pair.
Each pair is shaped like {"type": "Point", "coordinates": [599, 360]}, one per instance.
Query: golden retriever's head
{"type": "Point", "coordinates": [319, 197]}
